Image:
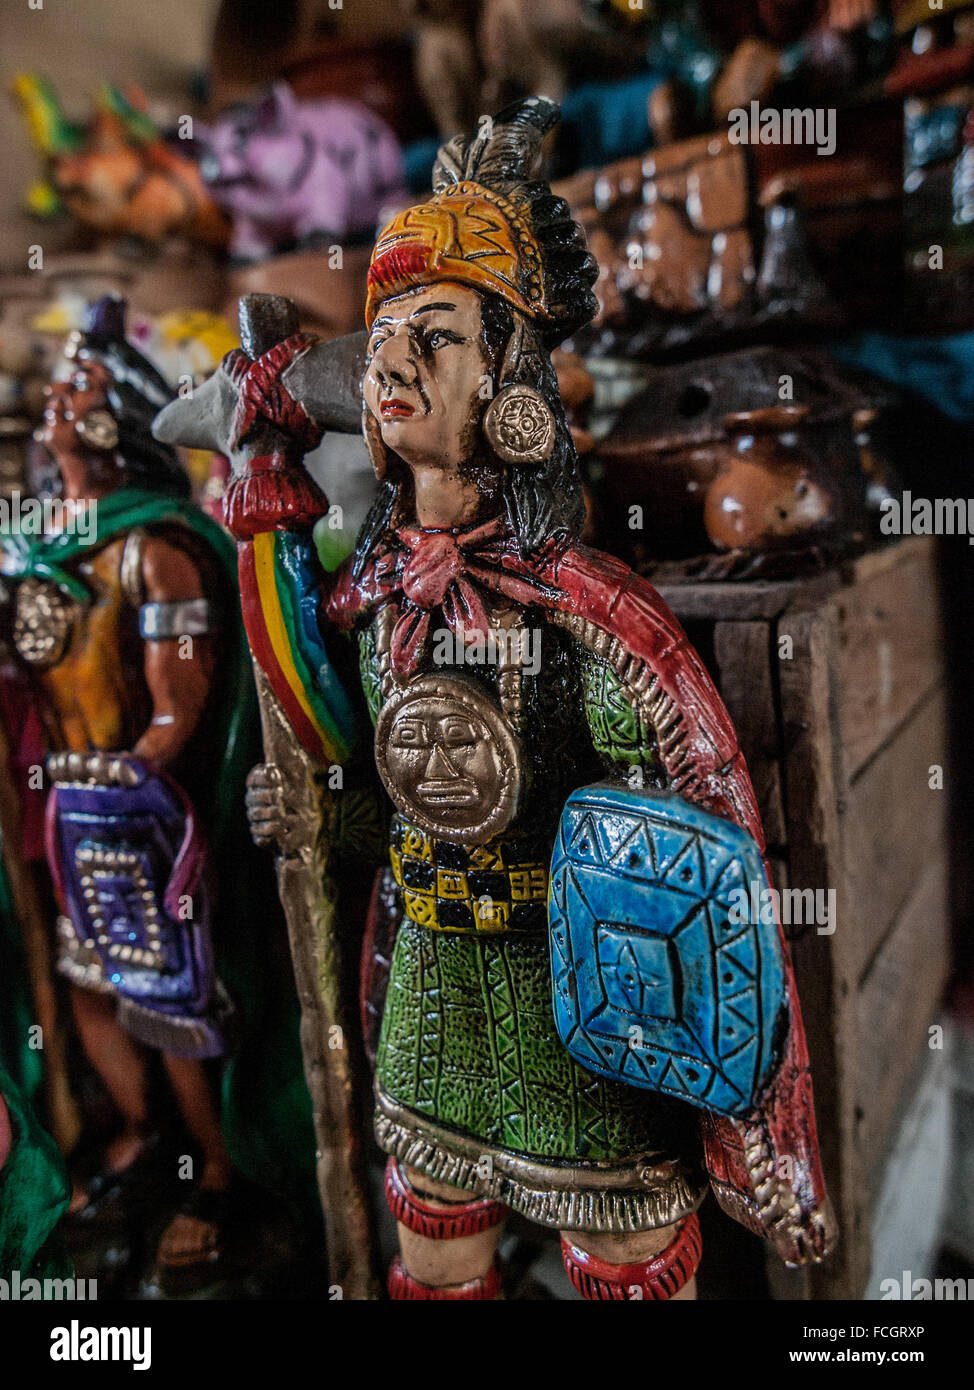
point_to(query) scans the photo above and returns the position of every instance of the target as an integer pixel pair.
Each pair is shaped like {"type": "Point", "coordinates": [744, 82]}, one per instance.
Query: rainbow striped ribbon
{"type": "Point", "coordinates": [280, 589]}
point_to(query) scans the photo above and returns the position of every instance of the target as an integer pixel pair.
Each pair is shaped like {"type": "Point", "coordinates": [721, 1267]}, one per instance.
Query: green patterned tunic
{"type": "Point", "coordinates": [474, 1085]}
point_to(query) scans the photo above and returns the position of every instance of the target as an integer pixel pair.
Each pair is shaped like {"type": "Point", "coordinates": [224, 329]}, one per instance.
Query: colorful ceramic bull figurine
{"type": "Point", "coordinates": [117, 174]}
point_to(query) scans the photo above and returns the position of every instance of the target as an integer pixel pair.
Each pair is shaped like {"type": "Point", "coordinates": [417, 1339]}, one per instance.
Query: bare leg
{"type": "Point", "coordinates": [122, 1066]}
{"type": "Point", "coordinates": [451, 1263]}
{"type": "Point", "coordinates": [187, 1239]}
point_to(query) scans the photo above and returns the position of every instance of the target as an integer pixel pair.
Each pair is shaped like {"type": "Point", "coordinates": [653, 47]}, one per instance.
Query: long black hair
{"type": "Point", "coordinates": [136, 393]}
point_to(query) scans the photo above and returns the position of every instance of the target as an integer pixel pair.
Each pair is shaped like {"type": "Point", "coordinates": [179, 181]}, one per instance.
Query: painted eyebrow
{"type": "Point", "coordinates": [431, 308]}
{"type": "Point", "coordinates": [425, 309]}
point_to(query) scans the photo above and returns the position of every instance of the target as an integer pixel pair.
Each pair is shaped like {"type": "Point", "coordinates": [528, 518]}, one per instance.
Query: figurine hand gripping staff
{"type": "Point", "coordinates": [578, 1025]}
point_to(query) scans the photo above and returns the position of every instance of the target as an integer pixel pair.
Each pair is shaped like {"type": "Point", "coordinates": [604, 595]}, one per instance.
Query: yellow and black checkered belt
{"type": "Point", "coordinates": [497, 887]}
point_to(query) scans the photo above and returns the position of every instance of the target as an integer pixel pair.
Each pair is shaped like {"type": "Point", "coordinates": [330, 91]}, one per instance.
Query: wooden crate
{"type": "Point", "coordinates": [836, 685]}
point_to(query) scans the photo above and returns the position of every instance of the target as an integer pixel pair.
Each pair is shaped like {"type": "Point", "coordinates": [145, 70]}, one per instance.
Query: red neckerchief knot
{"type": "Point", "coordinates": [448, 570]}
{"type": "Point", "coordinates": [262, 395]}
{"type": "Point", "coordinates": [435, 577]}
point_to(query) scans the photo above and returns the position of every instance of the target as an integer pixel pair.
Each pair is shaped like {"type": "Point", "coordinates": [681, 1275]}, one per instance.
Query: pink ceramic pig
{"type": "Point", "coordinates": [294, 173]}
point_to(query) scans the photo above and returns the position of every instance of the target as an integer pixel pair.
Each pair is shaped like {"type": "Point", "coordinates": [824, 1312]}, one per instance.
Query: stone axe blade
{"type": "Point", "coordinates": [326, 380]}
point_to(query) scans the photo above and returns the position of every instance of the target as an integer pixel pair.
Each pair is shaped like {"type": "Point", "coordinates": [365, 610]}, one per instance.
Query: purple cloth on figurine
{"type": "Point", "coordinates": [129, 864]}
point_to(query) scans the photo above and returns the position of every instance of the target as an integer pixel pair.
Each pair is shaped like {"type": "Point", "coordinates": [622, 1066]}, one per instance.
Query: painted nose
{"type": "Point", "coordinates": [393, 363]}
{"type": "Point", "coordinates": [439, 768]}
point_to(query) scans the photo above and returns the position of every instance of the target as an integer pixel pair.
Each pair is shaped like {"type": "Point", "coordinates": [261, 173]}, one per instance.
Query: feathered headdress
{"type": "Point", "coordinates": [494, 226]}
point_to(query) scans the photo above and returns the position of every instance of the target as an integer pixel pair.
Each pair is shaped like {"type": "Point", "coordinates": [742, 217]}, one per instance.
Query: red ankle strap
{"type": "Point", "coordinates": [402, 1285]}
{"type": "Point", "coordinates": [656, 1279]}
{"type": "Point", "coordinates": [438, 1220]}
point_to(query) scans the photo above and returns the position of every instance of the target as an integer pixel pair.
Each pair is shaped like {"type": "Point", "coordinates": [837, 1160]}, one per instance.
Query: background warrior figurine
{"type": "Point", "coordinates": [578, 1025]}
{"type": "Point", "coordinates": [123, 614]}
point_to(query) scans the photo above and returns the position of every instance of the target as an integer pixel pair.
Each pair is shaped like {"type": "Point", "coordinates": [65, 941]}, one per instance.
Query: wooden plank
{"type": "Point", "coordinates": [887, 557]}
{"type": "Point", "coordinates": [746, 600]}
{"type": "Point", "coordinates": [743, 653]}
{"type": "Point", "coordinates": [814, 855]}
{"type": "Point", "coordinates": [894, 825]}
{"type": "Point", "coordinates": [728, 601]}
{"type": "Point", "coordinates": [779, 872]}
{"type": "Point", "coordinates": [840, 739]}
{"type": "Point", "coordinates": [810, 776]}
{"type": "Point", "coordinates": [890, 649]}
{"type": "Point", "coordinates": [894, 1008]}
{"type": "Point", "coordinates": [918, 1185]}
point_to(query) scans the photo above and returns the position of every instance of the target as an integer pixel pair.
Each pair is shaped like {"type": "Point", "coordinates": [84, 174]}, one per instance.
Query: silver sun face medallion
{"type": "Point", "coordinates": [449, 759]}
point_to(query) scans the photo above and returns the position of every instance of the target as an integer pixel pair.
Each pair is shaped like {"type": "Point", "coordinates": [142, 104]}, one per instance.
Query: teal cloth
{"type": "Point", "coordinates": [23, 1064]}
{"type": "Point", "coordinates": [34, 1194]}
{"type": "Point", "coordinates": [941, 370]}
{"type": "Point", "coordinates": [34, 1189]}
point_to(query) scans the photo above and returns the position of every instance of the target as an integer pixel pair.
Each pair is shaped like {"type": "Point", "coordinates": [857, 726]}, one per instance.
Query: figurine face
{"type": "Point", "coordinates": [448, 760]}
{"type": "Point", "coordinates": [426, 372]}
{"type": "Point", "coordinates": [442, 758]}
{"type": "Point", "coordinates": [68, 403]}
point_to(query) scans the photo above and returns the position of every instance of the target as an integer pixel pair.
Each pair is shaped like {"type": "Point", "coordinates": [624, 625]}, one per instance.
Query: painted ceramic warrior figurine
{"type": "Point", "coordinates": [122, 614]}
{"type": "Point", "coordinates": [573, 997]}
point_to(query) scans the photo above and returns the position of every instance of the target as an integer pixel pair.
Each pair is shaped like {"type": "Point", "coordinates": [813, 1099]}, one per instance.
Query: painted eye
{"type": "Point", "coordinates": [439, 338]}
{"type": "Point", "coordinates": [456, 733]}
{"type": "Point", "coordinates": [410, 734]}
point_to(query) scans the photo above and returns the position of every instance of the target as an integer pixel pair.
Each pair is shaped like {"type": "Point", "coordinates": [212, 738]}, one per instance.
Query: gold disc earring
{"type": "Point", "coordinates": [98, 429]}
{"type": "Point", "coordinates": [519, 425]}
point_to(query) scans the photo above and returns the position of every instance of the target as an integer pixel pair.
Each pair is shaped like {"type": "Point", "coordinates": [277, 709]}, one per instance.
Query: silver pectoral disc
{"type": "Point", "coordinates": [449, 759]}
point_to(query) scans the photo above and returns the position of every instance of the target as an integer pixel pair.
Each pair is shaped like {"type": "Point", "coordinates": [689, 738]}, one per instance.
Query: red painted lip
{"type": "Point", "coordinates": [396, 410]}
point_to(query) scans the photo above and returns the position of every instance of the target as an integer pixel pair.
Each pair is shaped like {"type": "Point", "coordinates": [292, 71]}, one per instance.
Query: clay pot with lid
{"type": "Point", "coordinates": [769, 491]}
{"type": "Point", "coordinates": [709, 460]}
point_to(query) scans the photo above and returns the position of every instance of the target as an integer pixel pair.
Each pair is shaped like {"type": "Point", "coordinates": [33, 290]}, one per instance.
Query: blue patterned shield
{"type": "Point", "coordinates": [661, 980]}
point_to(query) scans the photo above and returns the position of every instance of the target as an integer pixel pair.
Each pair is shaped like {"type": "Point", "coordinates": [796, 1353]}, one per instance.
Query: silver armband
{"type": "Point", "coordinates": [191, 617]}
